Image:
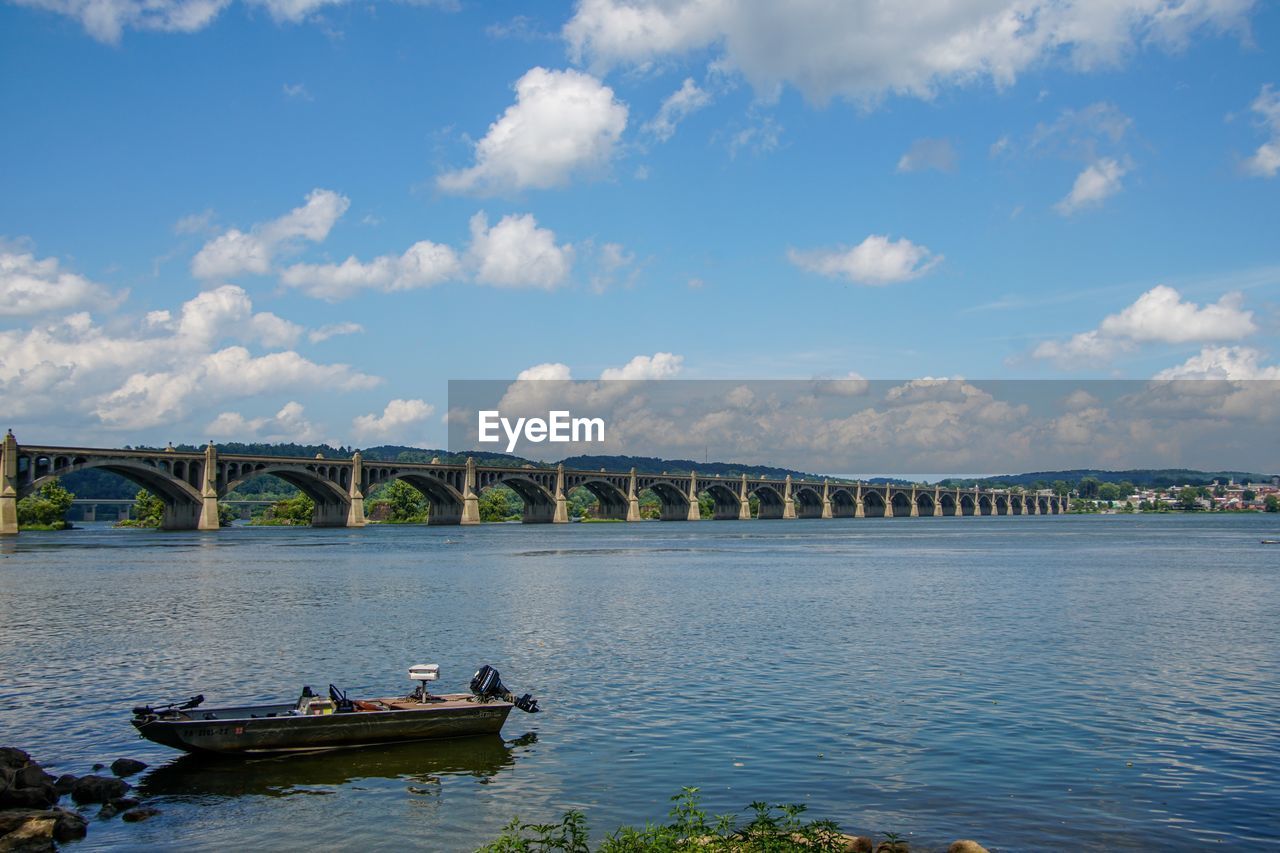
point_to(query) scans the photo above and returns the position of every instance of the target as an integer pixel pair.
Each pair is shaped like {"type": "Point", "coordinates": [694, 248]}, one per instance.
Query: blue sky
{"type": "Point", "coordinates": [298, 219]}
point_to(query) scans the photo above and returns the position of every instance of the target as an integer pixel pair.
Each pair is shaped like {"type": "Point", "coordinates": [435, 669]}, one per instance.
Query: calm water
{"type": "Point", "coordinates": [1062, 682]}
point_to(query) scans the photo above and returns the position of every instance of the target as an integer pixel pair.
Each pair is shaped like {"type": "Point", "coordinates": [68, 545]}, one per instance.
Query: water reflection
{"type": "Point", "coordinates": [421, 763]}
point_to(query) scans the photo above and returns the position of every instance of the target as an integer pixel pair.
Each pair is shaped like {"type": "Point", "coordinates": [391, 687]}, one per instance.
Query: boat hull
{"type": "Point", "coordinates": [232, 733]}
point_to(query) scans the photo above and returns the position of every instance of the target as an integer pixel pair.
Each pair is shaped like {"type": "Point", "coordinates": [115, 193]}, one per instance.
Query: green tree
{"type": "Point", "coordinates": [148, 510]}
{"type": "Point", "coordinates": [296, 510]}
{"type": "Point", "coordinates": [406, 503]}
{"type": "Point", "coordinates": [1088, 487]}
{"type": "Point", "coordinates": [1249, 495]}
{"type": "Point", "coordinates": [496, 504]}
{"type": "Point", "coordinates": [46, 508]}
{"type": "Point", "coordinates": [226, 515]}
{"type": "Point", "coordinates": [1188, 497]}
{"type": "Point", "coordinates": [1271, 503]}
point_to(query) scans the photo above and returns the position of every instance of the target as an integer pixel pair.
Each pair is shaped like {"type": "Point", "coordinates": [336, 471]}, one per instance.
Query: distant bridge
{"type": "Point", "coordinates": [191, 484]}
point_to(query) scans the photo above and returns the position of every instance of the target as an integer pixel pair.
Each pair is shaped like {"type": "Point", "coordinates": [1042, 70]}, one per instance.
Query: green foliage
{"type": "Point", "coordinates": [296, 511]}
{"type": "Point", "coordinates": [1271, 504]}
{"type": "Point", "coordinates": [1188, 496]}
{"type": "Point", "coordinates": [46, 508]}
{"type": "Point", "coordinates": [1249, 495]}
{"type": "Point", "coordinates": [500, 503]}
{"type": "Point", "coordinates": [770, 828]}
{"type": "Point", "coordinates": [148, 511]}
{"type": "Point", "coordinates": [405, 504]}
{"type": "Point", "coordinates": [226, 515]}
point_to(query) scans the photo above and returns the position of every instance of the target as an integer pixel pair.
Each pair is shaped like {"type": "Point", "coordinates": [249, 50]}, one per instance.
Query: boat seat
{"type": "Point", "coordinates": [363, 705]}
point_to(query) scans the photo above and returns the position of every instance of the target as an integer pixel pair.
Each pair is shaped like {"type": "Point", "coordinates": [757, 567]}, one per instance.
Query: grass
{"type": "Point", "coordinates": [768, 828]}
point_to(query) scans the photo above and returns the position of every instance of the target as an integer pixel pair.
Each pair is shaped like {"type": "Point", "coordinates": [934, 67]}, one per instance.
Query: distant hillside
{"type": "Point", "coordinates": [1147, 477]}
{"type": "Point", "coordinates": [653, 465]}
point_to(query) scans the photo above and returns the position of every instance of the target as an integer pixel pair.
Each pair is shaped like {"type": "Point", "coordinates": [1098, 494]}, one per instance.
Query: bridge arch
{"type": "Point", "coordinates": [873, 504]}
{"type": "Point", "coordinates": [947, 500]}
{"type": "Point", "coordinates": [182, 500]}
{"type": "Point", "coordinates": [539, 502]}
{"type": "Point", "coordinates": [673, 503]}
{"type": "Point", "coordinates": [844, 504]}
{"type": "Point", "coordinates": [769, 501]}
{"type": "Point", "coordinates": [1002, 505]}
{"type": "Point", "coordinates": [444, 502]}
{"type": "Point", "coordinates": [611, 501]}
{"type": "Point", "coordinates": [726, 505]}
{"type": "Point", "coordinates": [808, 502]}
{"type": "Point", "coordinates": [924, 503]}
{"type": "Point", "coordinates": [321, 483]}
{"type": "Point", "coordinates": [986, 505]}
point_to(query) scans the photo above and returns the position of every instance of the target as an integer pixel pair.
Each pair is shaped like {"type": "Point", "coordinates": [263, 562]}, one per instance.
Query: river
{"type": "Point", "coordinates": [1086, 682]}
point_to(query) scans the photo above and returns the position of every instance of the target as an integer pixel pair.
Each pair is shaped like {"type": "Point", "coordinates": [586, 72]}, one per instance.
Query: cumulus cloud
{"type": "Point", "coordinates": [924, 154]}
{"type": "Point", "coordinates": [236, 252]}
{"type": "Point", "coordinates": [31, 286]}
{"type": "Point", "coordinates": [1235, 363]}
{"type": "Point", "coordinates": [552, 370]}
{"type": "Point", "coordinates": [160, 369]}
{"type": "Point", "coordinates": [106, 20]}
{"type": "Point", "coordinates": [563, 124]}
{"type": "Point", "coordinates": [422, 265]}
{"type": "Point", "coordinates": [678, 106]}
{"type": "Point", "coordinates": [288, 424]}
{"type": "Point", "coordinates": [1096, 183]}
{"type": "Point", "coordinates": [398, 421]}
{"type": "Point", "coordinates": [863, 50]}
{"type": "Point", "coordinates": [660, 365]}
{"type": "Point", "coordinates": [517, 253]}
{"type": "Point", "coordinates": [333, 330]}
{"type": "Point", "coordinates": [1158, 316]}
{"type": "Point", "coordinates": [877, 260]}
{"type": "Point", "coordinates": [1265, 162]}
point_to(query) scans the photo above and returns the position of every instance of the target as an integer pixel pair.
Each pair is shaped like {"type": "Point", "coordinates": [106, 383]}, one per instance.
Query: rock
{"type": "Point", "coordinates": [114, 807]}
{"type": "Point", "coordinates": [38, 797]}
{"type": "Point", "coordinates": [64, 784]}
{"type": "Point", "coordinates": [127, 767]}
{"type": "Point", "coordinates": [33, 833]}
{"type": "Point", "coordinates": [32, 776]}
{"type": "Point", "coordinates": [859, 844]}
{"type": "Point", "coordinates": [964, 845]}
{"type": "Point", "coordinates": [139, 814]}
{"type": "Point", "coordinates": [69, 826]}
{"type": "Point", "coordinates": [12, 757]}
{"type": "Point", "coordinates": [98, 767]}
{"type": "Point", "coordinates": [98, 789]}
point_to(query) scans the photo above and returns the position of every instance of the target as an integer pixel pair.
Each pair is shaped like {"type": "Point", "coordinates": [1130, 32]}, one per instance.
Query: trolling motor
{"type": "Point", "coordinates": [486, 684]}
{"type": "Point", "coordinates": [171, 708]}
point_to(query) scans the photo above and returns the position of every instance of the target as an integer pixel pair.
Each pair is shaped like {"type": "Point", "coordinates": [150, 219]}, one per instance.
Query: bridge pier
{"type": "Point", "coordinates": [695, 512]}
{"type": "Point", "coordinates": [826, 500]}
{"type": "Point", "coordinates": [633, 499]}
{"type": "Point", "coordinates": [915, 507]}
{"type": "Point", "coordinates": [561, 515]}
{"type": "Point", "coordinates": [937, 502]}
{"type": "Point", "coordinates": [208, 519]}
{"type": "Point", "coordinates": [470, 500]}
{"type": "Point", "coordinates": [744, 501]}
{"type": "Point", "coordinates": [788, 502]}
{"type": "Point", "coordinates": [355, 506]}
{"type": "Point", "coordinates": [9, 486]}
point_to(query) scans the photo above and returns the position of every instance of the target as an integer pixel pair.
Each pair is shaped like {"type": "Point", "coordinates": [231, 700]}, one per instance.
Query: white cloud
{"type": "Point", "coordinates": [1235, 363]}
{"type": "Point", "coordinates": [151, 399]}
{"type": "Point", "coordinates": [517, 253]}
{"type": "Point", "coordinates": [563, 123]}
{"type": "Point", "coordinates": [863, 50]}
{"type": "Point", "coordinates": [106, 20]}
{"type": "Point", "coordinates": [1099, 180]}
{"type": "Point", "coordinates": [334, 330]}
{"type": "Point", "coordinates": [1158, 316]}
{"type": "Point", "coordinates": [613, 263]}
{"type": "Point", "coordinates": [678, 106]}
{"type": "Point", "coordinates": [398, 420]}
{"type": "Point", "coordinates": [31, 287]}
{"type": "Point", "coordinates": [298, 91]}
{"type": "Point", "coordinates": [161, 368]}
{"type": "Point", "coordinates": [422, 265]}
{"type": "Point", "coordinates": [236, 252]}
{"type": "Point", "coordinates": [1265, 162]}
{"type": "Point", "coordinates": [928, 154]}
{"type": "Point", "coordinates": [288, 424]}
{"type": "Point", "coordinates": [660, 365]}
{"type": "Point", "coordinates": [552, 370]}
{"type": "Point", "coordinates": [877, 260]}
{"type": "Point", "coordinates": [194, 223]}
{"type": "Point", "coordinates": [1161, 315]}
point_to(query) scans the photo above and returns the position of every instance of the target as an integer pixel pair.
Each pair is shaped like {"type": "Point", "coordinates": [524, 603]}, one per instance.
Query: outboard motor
{"type": "Point", "coordinates": [487, 684]}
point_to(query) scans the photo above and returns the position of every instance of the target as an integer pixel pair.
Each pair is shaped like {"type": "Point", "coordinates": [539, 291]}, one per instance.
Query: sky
{"type": "Point", "coordinates": [297, 220]}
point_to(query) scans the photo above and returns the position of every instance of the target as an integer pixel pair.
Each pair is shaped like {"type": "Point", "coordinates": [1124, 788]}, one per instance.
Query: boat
{"type": "Point", "coordinates": [317, 722]}
{"type": "Point", "coordinates": [1271, 541]}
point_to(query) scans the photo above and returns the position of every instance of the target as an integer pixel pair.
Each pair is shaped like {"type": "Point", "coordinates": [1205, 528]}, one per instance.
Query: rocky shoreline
{"type": "Point", "coordinates": [31, 817]}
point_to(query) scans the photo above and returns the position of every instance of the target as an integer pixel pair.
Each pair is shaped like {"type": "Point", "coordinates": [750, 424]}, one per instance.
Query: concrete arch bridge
{"type": "Point", "coordinates": [191, 484]}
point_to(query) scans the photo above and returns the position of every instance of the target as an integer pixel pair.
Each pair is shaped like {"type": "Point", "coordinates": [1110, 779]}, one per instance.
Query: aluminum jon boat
{"type": "Point", "coordinates": [328, 722]}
